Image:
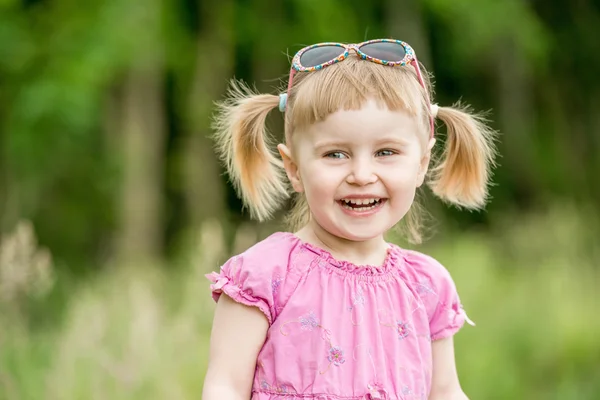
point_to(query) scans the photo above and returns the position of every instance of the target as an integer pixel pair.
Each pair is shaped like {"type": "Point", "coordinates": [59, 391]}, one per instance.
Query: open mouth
{"type": "Point", "coordinates": [361, 205]}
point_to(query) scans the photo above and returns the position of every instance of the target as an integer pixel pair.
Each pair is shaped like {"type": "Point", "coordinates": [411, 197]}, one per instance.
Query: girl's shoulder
{"type": "Point", "coordinates": [434, 284]}
{"type": "Point", "coordinates": [276, 248]}
{"type": "Point", "coordinates": [424, 266]}
{"type": "Point", "coordinates": [265, 275]}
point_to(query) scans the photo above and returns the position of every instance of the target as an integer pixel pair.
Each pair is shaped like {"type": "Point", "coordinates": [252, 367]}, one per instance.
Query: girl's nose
{"type": "Point", "coordinates": [362, 174]}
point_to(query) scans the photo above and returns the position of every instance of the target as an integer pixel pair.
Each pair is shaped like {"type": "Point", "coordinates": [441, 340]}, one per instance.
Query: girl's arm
{"type": "Point", "coordinates": [445, 384]}
{"type": "Point", "coordinates": [238, 334]}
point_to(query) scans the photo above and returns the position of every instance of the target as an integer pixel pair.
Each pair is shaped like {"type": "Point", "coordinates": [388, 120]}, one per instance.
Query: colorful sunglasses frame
{"type": "Point", "coordinates": [410, 58]}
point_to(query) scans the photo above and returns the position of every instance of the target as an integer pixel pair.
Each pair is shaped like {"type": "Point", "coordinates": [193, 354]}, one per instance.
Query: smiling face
{"type": "Point", "coordinates": [359, 169]}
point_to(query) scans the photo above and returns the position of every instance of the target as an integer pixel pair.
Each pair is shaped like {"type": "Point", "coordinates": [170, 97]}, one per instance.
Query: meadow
{"type": "Point", "coordinates": [142, 331]}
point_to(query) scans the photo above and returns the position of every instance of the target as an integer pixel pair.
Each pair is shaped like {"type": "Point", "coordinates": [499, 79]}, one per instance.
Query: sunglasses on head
{"type": "Point", "coordinates": [386, 52]}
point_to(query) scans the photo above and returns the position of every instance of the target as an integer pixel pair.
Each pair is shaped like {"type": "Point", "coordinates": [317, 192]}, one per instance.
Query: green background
{"type": "Point", "coordinates": [113, 205]}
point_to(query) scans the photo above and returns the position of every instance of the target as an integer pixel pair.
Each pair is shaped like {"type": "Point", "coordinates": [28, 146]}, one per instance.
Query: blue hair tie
{"type": "Point", "coordinates": [282, 101]}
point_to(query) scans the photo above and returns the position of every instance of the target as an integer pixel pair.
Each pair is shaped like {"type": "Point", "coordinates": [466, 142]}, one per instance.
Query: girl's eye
{"type": "Point", "coordinates": [335, 154]}
{"type": "Point", "coordinates": [386, 152]}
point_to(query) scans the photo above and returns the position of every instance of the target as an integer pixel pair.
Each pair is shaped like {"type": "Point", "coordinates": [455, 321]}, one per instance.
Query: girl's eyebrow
{"type": "Point", "coordinates": [388, 140]}
{"type": "Point", "coordinates": [329, 143]}
{"type": "Point", "coordinates": [392, 140]}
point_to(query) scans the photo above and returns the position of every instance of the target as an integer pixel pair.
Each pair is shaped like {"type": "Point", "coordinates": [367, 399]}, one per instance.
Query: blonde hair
{"type": "Point", "coordinates": [459, 176]}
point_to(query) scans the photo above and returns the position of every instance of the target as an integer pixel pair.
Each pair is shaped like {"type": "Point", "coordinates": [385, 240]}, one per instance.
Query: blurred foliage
{"type": "Point", "coordinates": [104, 151]}
{"type": "Point", "coordinates": [64, 69]}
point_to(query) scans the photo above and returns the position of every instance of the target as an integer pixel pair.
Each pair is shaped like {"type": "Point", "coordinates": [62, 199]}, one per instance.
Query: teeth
{"type": "Point", "coordinates": [359, 202]}
{"type": "Point", "coordinates": [361, 208]}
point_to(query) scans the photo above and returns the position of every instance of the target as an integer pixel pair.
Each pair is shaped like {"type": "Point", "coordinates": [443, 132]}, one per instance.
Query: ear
{"type": "Point", "coordinates": [425, 162]}
{"type": "Point", "coordinates": [291, 169]}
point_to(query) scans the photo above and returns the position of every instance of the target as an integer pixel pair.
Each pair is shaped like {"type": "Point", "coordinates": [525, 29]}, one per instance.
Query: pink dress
{"type": "Point", "coordinates": [341, 331]}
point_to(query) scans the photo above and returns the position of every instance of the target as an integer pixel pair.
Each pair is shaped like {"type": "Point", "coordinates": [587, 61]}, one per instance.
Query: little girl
{"type": "Point", "coordinates": [333, 311]}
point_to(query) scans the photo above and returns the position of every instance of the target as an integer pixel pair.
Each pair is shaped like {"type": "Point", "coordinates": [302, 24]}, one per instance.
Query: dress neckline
{"type": "Point", "coordinates": [389, 264]}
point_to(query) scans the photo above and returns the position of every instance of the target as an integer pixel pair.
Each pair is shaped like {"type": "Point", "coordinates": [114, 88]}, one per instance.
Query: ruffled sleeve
{"type": "Point", "coordinates": [437, 289]}
{"type": "Point", "coordinates": [260, 277]}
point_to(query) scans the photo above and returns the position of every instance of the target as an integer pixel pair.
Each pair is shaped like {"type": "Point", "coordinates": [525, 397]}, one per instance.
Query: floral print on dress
{"type": "Point", "coordinates": [308, 323]}
{"type": "Point", "coordinates": [403, 329]}
{"type": "Point", "coordinates": [264, 385]}
{"type": "Point", "coordinates": [375, 389]}
{"type": "Point", "coordinates": [376, 392]}
{"type": "Point", "coordinates": [359, 298]}
{"type": "Point", "coordinates": [275, 284]}
{"type": "Point", "coordinates": [336, 356]}
{"type": "Point", "coordinates": [358, 302]}
{"type": "Point", "coordinates": [424, 288]}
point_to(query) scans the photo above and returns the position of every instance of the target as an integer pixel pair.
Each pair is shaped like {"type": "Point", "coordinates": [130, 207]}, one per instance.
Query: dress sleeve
{"type": "Point", "coordinates": [260, 277]}
{"type": "Point", "coordinates": [440, 296]}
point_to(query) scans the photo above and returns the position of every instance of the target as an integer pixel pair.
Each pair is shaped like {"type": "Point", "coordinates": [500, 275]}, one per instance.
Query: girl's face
{"type": "Point", "coordinates": [359, 169]}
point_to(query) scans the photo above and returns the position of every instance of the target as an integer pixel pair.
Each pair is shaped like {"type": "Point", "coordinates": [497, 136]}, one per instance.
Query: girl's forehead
{"type": "Point", "coordinates": [372, 122]}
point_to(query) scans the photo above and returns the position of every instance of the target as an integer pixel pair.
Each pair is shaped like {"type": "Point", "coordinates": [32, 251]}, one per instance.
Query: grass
{"type": "Point", "coordinates": [142, 332]}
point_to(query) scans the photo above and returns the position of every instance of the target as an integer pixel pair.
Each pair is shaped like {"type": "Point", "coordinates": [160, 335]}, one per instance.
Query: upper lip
{"type": "Point", "coordinates": [361, 196]}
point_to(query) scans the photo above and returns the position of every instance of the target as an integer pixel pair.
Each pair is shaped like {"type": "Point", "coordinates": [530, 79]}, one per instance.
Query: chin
{"type": "Point", "coordinates": [358, 234]}
{"type": "Point", "coordinates": [357, 230]}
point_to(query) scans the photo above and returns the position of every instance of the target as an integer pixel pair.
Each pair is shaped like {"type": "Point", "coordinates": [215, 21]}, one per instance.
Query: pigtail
{"type": "Point", "coordinates": [299, 215]}
{"type": "Point", "coordinates": [243, 146]}
{"type": "Point", "coordinates": [463, 172]}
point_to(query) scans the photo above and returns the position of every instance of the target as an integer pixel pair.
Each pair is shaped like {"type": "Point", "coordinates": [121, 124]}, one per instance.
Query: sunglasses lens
{"type": "Point", "coordinates": [387, 51]}
{"type": "Point", "coordinates": [320, 55]}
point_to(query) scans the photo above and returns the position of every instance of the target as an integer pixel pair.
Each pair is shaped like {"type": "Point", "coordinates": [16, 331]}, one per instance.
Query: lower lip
{"type": "Point", "coordinates": [361, 213]}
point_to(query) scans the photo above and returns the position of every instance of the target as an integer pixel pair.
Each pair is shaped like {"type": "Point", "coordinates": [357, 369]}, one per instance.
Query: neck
{"type": "Point", "coordinates": [366, 252]}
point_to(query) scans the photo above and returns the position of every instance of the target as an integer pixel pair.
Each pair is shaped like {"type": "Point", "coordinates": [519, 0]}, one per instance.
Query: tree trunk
{"type": "Point", "coordinates": [9, 200]}
{"type": "Point", "coordinates": [143, 135]}
{"type": "Point", "coordinates": [515, 115]}
{"type": "Point", "coordinates": [204, 190]}
{"type": "Point", "coordinates": [404, 21]}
